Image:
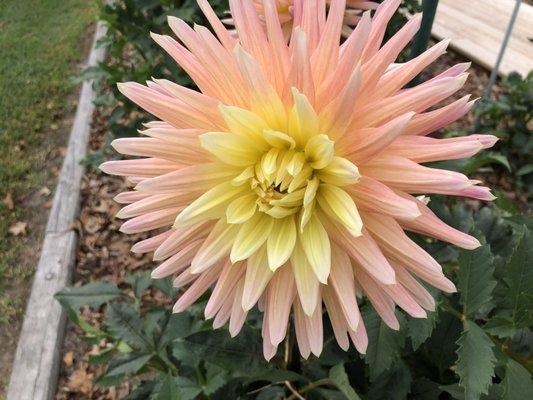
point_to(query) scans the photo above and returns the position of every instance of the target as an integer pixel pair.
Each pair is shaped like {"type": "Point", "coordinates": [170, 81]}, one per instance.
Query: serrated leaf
{"type": "Point", "coordinates": [476, 360]}
{"type": "Point", "coordinates": [124, 322]}
{"type": "Point", "coordinates": [166, 389]}
{"type": "Point", "coordinates": [242, 354]}
{"type": "Point", "coordinates": [475, 279]}
{"type": "Point", "coordinates": [142, 392]}
{"type": "Point", "coordinates": [519, 277]}
{"type": "Point", "coordinates": [393, 384]}
{"type": "Point", "coordinates": [93, 294]}
{"type": "Point", "coordinates": [128, 365]}
{"type": "Point", "coordinates": [420, 329]}
{"type": "Point", "coordinates": [383, 344]}
{"type": "Point", "coordinates": [338, 375]}
{"type": "Point", "coordinates": [139, 282]}
{"type": "Point", "coordinates": [517, 384]}
{"type": "Point", "coordinates": [188, 389]}
{"type": "Point", "coordinates": [215, 378]}
{"type": "Point", "coordinates": [174, 327]}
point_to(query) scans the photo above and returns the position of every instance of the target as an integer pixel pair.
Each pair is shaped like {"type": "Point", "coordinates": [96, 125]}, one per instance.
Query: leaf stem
{"type": "Point", "coordinates": [311, 386]}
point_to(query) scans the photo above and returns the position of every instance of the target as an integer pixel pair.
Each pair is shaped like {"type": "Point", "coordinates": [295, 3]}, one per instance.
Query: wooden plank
{"type": "Point", "coordinates": [477, 29]}
{"type": "Point", "coordinates": [37, 359]}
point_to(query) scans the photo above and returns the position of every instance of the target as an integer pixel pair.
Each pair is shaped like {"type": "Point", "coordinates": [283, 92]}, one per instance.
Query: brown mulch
{"type": "Point", "coordinates": [104, 252]}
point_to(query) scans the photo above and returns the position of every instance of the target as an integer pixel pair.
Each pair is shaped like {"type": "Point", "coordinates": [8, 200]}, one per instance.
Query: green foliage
{"type": "Point", "coordinates": [475, 363]}
{"type": "Point", "coordinates": [509, 117]}
{"type": "Point", "coordinates": [383, 344]}
{"type": "Point", "coordinates": [475, 279]}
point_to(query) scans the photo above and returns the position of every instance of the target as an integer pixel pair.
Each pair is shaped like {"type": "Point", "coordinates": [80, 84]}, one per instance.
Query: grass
{"type": "Point", "coordinates": [40, 42]}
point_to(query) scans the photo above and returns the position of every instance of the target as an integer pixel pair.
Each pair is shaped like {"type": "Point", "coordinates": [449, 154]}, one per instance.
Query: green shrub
{"type": "Point", "coordinates": [510, 117]}
{"type": "Point", "coordinates": [476, 345]}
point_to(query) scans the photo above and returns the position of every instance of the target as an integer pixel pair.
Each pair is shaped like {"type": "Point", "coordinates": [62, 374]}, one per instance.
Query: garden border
{"type": "Point", "coordinates": [35, 369]}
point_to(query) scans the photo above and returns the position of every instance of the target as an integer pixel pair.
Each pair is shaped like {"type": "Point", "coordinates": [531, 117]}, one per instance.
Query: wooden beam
{"type": "Point", "coordinates": [477, 29]}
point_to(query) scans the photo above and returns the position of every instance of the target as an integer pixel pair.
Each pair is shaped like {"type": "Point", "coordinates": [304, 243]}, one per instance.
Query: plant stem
{"type": "Point", "coordinates": [311, 386]}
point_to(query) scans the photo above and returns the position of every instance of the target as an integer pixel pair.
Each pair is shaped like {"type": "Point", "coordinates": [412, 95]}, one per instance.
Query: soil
{"type": "Point", "coordinates": [39, 199]}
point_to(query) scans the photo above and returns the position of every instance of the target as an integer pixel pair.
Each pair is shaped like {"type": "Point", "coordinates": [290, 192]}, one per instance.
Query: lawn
{"type": "Point", "coordinates": [41, 44]}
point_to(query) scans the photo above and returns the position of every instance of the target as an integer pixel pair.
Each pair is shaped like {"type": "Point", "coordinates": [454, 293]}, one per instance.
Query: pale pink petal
{"type": "Point", "coordinates": [371, 195]}
{"type": "Point", "coordinates": [280, 294]}
{"type": "Point", "coordinates": [229, 277]}
{"type": "Point", "coordinates": [197, 289]}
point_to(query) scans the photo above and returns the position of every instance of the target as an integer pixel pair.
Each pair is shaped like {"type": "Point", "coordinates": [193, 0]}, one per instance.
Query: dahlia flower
{"type": "Point", "coordinates": [287, 181]}
{"type": "Point", "coordinates": [289, 9]}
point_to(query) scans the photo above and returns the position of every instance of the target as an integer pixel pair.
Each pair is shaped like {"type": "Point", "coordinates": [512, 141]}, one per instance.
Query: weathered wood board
{"type": "Point", "coordinates": [37, 359]}
{"type": "Point", "coordinates": [477, 28]}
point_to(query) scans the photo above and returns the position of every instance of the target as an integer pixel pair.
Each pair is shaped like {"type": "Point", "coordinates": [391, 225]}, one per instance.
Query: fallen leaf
{"type": "Point", "coordinates": [18, 228]}
{"type": "Point", "coordinates": [68, 358]}
{"type": "Point", "coordinates": [81, 381]}
{"type": "Point", "coordinates": [8, 201]}
{"type": "Point", "coordinates": [44, 191]}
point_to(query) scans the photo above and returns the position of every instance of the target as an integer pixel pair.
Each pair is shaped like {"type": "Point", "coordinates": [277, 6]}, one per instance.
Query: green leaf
{"type": "Point", "coordinates": [188, 390]}
{"type": "Point", "coordinates": [124, 321]}
{"type": "Point", "coordinates": [215, 378]}
{"type": "Point", "coordinates": [128, 365]}
{"type": "Point", "coordinates": [103, 357]}
{"type": "Point", "coordinates": [338, 375]}
{"type": "Point", "coordinates": [174, 327]}
{"type": "Point", "coordinates": [517, 384]}
{"type": "Point", "coordinates": [393, 384]}
{"type": "Point", "coordinates": [476, 360]}
{"type": "Point", "coordinates": [383, 344]}
{"type": "Point", "coordinates": [500, 326]}
{"type": "Point", "coordinates": [142, 392]}
{"type": "Point", "coordinates": [420, 329]}
{"type": "Point", "coordinates": [93, 294]}
{"type": "Point", "coordinates": [519, 277]}
{"type": "Point", "coordinates": [475, 279]}
{"type": "Point", "coordinates": [139, 281]}
{"type": "Point", "coordinates": [271, 393]}
{"type": "Point", "coordinates": [166, 389]}
{"type": "Point", "coordinates": [242, 354]}
{"type": "Point", "coordinates": [486, 159]}
{"type": "Point", "coordinates": [275, 375]}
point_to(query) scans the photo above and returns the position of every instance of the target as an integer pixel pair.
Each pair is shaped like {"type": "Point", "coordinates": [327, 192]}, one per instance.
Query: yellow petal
{"type": "Point", "coordinates": [300, 180]}
{"type": "Point", "coordinates": [303, 121]}
{"type": "Point", "coordinates": [279, 140]}
{"type": "Point", "coordinates": [307, 284]}
{"type": "Point", "coordinates": [339, 205]}
{"type": "Point", "coordinates": [243, 177]}
{"type": "Point", "coordinates": [231, 148]}
{"type": "Point", "coordinates": [310, 190]}
{"type": "Point", "coordinates": [281, 212]}
{"type": "Point", "coordinates": [241, 209]}
{"type": "Point", "coordinates": [315, 243]}
{"type": "Point", "coordinates": [210, 205]}
{"type": "Point", "coordinates": [252, 234]}
{"type": "Point", "coordinates": [281, 242]}
{"type": "Point", "coordinates": [243, 122]}
{"type": "Point", "coordinates": [339, 172]}
{"type": "Point", "coordinates": [269, 161]}
{"type": "Point", "coordinates": [305, 214]}
{"type": "Point", "coordinates": [296, 163]}
{"type": "Point", "coordinates": [319, 151]}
